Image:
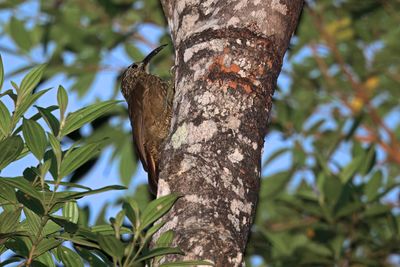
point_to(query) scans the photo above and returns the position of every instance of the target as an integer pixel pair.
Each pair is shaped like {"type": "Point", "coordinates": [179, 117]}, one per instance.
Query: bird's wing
{"type": "Point", "coordinates": [152, 173]}
{"type": "Point", "coordinates": [138, 127]}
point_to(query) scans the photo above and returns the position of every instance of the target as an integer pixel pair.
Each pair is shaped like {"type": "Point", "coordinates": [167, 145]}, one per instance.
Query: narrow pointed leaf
{"type": "Point", "coordinates": [20, 35]}
{"type": "Point", "coordinates": [47, 244]}
{"type": "Point", "coordinates": [33, 220]}
{"type": "Point", "coordinates": [10, 149]}
{"type": "Point", "coordinates": [9, 220]}
{"type": "Point", "coordinates": [165, 239]}
{"type": "Point", "coordinates": [158, 252]}
{"type": "Point", "coordinates": [71, 212]}
{"type": "Point", "coordinates": [91, 192]}
{"type": "Point", "coordinates": [22, 184]}
{"type": "Point", "coordinates": [186, 263]}
{"type": "Point", "coordinates": [111, 245]}
{"type": "Point", "coordinates": [156, 209]}
{"type": "Point", "coordinates": [5, 119]}
{"type": "Point", "coordinates": [90, 257]}
{"type": "Point", "coordinates": [55, 145]}
{"type": "Point", "coordinates": [50, 119]}
{"type": "Point", "coordinates": [35, 138]}
{"type": "Point", "coordinates": [1, 73]}
{"type": "Point", "coordinates": [78, 157]}
{"type": "Point", "coordinates": [62, 99]}
{"type": "Point", "coordinates": [80, 117]}
{"type": "Point", "coordinates": [31, 80]}
{"type": "Point", "coordinates": [69, 257]}
{"type": "Point", "coordinates": [27, 102]}
{"type": "Point", "coordinates": [30, 202]}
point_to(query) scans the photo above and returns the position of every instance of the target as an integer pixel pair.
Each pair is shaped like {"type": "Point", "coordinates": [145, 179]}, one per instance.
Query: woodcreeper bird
{"type": "Point", "coordinates": [149, 101]}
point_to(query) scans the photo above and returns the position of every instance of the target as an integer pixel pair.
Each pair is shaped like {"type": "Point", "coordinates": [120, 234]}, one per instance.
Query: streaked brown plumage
{"type": "Point", "coordinates": [149, 101]}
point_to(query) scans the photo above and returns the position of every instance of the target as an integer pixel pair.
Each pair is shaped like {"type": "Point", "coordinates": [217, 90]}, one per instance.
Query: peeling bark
{"type": "Point", "coordinates": [228, 57]}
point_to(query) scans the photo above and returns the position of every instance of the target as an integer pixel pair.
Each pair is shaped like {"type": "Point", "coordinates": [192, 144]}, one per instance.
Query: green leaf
{"type": "Point", "coordinates": [69, 257]}
{"type": "Point", "coordinates": [69, 227]}
{"type": "Point", "coordinates": [22, 184]}
{"type": "Point", "coordinates": [111, 245]}
{"type": "Point", "coordinates": [71, 211]}
{"type": "Point", "coordinates": [10, 149]}
{"type": "Point", "coordinates": [82, 116]}
{"type": "Point", "coordinates": [20, 35]}
{"type": "Point", "coordinates": [276, 154]}
{"type": "Point", "coordinates": [90, 257]}
{"type": "Point", "coordinates": [50, 119]}
{"type": "Point", "coordinates": [10, 260]}
{"type": "Point", "coordinates": [91, 192]}
{"type": "Point", "coordinates": [373, 185]}
{"type": "Point", "coordinates": [106, 229]}
{"type": "Point", "coordinates": [131, 209]}
{"type": "Point", "coordinates": [77, 157]}
{"type": "Point", "coordinates": [30, 81]}
{"type": "Point", "coordinates": [152, 231]}
{"type": "Point", "coordinates": [156, 209]}
{"type": "Point", "coordinates": [35, 138]}
{"type": "Point", "coordinates": [1, 73]}
{"type": "Point", "coordinates": [78, 240]}
{"type": "Point", "coordinates": [69, 184]}
{"type": "Point", "coordinates": [5, 119]}
{"type": "Point", "coordinates": [33, 221]}
{"type": "Point", "coordinates": [273, 185]}
{"type": "Point", "coordinates": [56, 147]}
{"type": "Point", "coordinates": [9, 220]}
{"type": "Point", "coordinates": [46, 244]}
{"type": "Point", "coordinates": [36, 117]}
{"type": "Point", "coordinates": [351, 169]}
{"type": "Point", "coordinates": [186, 263]}
{"type": "Point", "coordinates": [62, 99]}
{"type": "Point", "coordinates": [18, 245]}
{"type": "Point", "coordinates": [31, 203]}
{"type": "Point", "coordinates": [27, 102]}
{"type": "Point", "coordinates": [158, 252]}
{"type": "Point", "coordinates": [127, 164]}
{"type": "Point", "coordinates": [46, 259]}
{"type": "Point", "coordinates": [7, 193]}
{"type": "Point", "coordinates": [165, 239]}
{"type": "Point", "coordinates": [133, 52]}
{"type": "Point", "coordinates": [117, 223]}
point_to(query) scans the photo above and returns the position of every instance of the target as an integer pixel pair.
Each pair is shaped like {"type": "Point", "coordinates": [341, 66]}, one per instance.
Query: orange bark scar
{"type": "Point", "coordinates": [219, 69]}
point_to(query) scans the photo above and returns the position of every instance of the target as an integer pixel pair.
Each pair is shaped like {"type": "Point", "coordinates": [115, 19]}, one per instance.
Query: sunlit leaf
{"type": "Point", "coordinates": [156, 209]}
{"type": "Point", "coordinates": [186, 263]}
{"type": "Point", "coordinates": [78, 157]}
{"type": "Point", "coordinates": [19, 34]}
{"type": "Point", "coordinates": [77, 119]}
{"type": "Point", "coordinates": [69, 257]}
{"type": "Point", "coordinates": [111, 245]}
{"type": "Point", "coordinates": [50, 119]}
{"type": "Point", "coordinates": [62, 99]}
{"type": "Point", "coordinates": [35, 138]}
{"type": "Point", "coordinates": [31, 80]}
{"type": "Point", "coordinates": [158, 252]}
{"type": "Point", "coordinates": [5, 119]}
{"type": "Point", "coordinates": [71, 212]}
{"type": "Point", "coordinates": [10, 149]}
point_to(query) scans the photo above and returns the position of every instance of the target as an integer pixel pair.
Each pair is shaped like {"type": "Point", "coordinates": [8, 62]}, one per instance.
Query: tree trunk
{"type": "Point", "coordinates": [228, 57]}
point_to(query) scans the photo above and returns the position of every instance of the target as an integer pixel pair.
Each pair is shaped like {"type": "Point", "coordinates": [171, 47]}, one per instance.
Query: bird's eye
{"type": "Point", "coordinates": [133, 66]}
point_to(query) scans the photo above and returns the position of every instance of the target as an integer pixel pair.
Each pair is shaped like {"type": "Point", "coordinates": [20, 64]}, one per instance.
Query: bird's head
{"type": "Point", "coordinates": [135, 70]}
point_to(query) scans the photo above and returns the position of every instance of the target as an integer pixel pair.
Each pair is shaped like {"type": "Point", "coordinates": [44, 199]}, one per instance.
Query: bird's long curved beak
{"type": "Point", "coordinates": [147, 59]}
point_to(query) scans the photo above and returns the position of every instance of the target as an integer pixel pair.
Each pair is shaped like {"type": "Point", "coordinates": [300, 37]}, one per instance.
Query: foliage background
{"type": "Point", "coordinates": [330, 188]}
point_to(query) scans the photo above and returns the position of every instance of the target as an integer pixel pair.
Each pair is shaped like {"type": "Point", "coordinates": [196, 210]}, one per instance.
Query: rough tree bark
{"type": "Point", "coordinates": [228, 57]}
